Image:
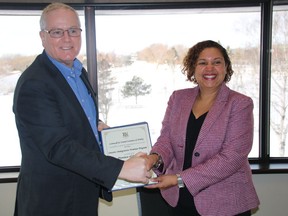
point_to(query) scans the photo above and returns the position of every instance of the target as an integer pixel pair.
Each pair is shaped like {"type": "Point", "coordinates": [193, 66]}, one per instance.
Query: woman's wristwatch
{"type": "Point", "coordinates": [158, 163]}
{"type": "Point", "coordinates": [180, 181]}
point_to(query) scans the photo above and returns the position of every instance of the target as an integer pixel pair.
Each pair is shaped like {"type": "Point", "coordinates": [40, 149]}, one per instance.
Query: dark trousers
{"type": "Point", "coordinates": [152, 204]}
{"type": "Point", "coordinates": [247, 213]}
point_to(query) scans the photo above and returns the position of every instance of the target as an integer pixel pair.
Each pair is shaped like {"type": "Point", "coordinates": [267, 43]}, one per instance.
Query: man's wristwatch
{"type": "Point", "coordinates": [180, 181]}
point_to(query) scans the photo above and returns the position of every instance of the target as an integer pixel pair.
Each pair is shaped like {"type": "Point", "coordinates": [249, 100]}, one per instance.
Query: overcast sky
{"type": "Point", "coordinates": [126, 34]}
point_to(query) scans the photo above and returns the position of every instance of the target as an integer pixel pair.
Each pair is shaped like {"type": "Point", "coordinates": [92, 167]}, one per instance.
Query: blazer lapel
{"type": "Point", "coordinates": [186, 108]}
{"type": "Point", "coordinates": [84, 78]}
{"type": "Point", "coordinates": [214, 112]}
{"type": "Point", "coordinates": [94, 96]}
{"type": "Point", "coordinates": [59, 79]}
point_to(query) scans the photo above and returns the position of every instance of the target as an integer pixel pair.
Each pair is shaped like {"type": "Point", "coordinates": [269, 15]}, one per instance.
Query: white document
{"type": "Point", "coordinates": [125, 141]}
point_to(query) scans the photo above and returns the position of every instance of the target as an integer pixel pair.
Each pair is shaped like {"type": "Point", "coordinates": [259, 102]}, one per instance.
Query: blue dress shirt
{"type": "Point", "coordinates": [72, 76]}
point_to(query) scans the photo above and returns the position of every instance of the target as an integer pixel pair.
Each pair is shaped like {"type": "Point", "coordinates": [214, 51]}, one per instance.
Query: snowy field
{"type": "Point", "coordinates": [9, 143]}
{"type": "Point", "coordinates": [150, 108]}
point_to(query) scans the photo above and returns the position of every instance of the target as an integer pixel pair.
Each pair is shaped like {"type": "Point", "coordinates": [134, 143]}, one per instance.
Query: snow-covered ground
{"type": "Point", "coordinates": [9, 143]}
{"type": "Point", "coordinates": [150, 108]}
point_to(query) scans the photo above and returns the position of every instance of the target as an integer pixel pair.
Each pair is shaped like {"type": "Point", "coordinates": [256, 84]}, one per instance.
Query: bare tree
{"type": "Point", "coordinates": [105, 86]}
{"type": "Point", "coordinates": [9, 64]}
{"type": "Point", "coordinates": [162, 54]}
{"type": "Point", "coordinates": [279, 78]}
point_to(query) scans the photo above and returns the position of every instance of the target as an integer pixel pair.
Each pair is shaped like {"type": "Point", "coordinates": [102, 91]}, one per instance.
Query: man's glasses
{"type": "Point", "coordinates": [58, 33]}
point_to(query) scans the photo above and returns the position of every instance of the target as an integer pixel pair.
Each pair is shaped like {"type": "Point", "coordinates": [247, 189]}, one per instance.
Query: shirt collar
{"type": "Point", "coordinates": [76, 69]}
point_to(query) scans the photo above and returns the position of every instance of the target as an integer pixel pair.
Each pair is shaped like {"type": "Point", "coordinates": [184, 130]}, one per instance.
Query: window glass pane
{"type": "Point", "coordinates": [19, 47]}
{"type": "Point", "coordinates": [279, 84]}
{"type": "Point", "coordinates": [150, 45]}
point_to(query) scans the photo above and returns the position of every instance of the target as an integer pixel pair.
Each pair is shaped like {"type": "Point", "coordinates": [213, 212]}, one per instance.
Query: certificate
{"type": "Point", "coordinates": [122, 142]}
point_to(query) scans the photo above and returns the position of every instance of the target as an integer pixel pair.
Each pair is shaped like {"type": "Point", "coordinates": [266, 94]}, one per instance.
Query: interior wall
{"type": "Point", "coordinates": [271, 188]}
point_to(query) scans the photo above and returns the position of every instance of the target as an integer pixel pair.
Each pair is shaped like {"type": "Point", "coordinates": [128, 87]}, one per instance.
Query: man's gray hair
{"type": "Point", "coordinates": [51, 7]}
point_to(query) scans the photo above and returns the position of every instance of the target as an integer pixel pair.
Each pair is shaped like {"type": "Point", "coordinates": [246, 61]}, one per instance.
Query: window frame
{"type": "Point", "coordinates": [260, 165]}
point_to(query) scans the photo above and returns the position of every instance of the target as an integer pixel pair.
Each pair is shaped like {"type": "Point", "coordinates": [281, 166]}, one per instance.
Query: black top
{"type": "Point", "coordinates": [185, 206]}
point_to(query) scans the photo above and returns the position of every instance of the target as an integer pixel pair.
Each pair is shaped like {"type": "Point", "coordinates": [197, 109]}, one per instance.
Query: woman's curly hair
{"type": "Point", "coordinates": [189, 62]}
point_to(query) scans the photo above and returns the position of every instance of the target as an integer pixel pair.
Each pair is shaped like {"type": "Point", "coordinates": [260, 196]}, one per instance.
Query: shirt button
{"type": "Point", "coordinates": [196, 154]}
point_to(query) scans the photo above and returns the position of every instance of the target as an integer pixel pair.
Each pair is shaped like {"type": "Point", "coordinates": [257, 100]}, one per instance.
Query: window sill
{"type": "Point", "coordinates": [269, 168]}
{"type": "Point", "coordinates": [8, 177]}
{"type": "Point", "coordinates": [257, 168]}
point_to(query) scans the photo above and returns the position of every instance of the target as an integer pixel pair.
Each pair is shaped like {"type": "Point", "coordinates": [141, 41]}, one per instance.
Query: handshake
{"type": "Point", "coordinates": [138, 168]}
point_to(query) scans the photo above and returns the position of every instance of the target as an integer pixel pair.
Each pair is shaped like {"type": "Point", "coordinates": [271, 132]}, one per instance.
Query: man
{"type": "Point", "coordinates": [63, 171]}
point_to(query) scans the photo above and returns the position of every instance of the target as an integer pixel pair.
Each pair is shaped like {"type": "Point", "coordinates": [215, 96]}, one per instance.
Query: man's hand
{"type": "Point", "coordinates": [136, 169]}
{"type": "Point", "coordinates": [151, 160]}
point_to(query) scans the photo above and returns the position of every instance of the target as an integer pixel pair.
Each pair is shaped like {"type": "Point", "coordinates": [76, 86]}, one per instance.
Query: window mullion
{"type": "Point", "coordinates": [265, 75]}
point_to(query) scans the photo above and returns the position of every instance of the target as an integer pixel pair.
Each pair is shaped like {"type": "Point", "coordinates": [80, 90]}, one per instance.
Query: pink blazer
{"type": "Point", "coordinates": [220, 177]}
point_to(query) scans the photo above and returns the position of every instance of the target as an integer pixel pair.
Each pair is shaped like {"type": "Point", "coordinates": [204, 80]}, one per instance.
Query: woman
{"type": "Point", "coordinates": [201, 155]}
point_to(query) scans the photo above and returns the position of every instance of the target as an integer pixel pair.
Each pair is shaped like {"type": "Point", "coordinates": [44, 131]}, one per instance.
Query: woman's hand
{"type": "Point", "coordinates": [152, 159]}
{"type": "Point", "coordinates": [163, 182]}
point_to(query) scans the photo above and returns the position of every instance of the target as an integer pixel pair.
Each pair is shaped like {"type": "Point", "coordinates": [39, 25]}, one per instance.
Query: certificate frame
{"type": "Point", "coordinates": [124, 141]}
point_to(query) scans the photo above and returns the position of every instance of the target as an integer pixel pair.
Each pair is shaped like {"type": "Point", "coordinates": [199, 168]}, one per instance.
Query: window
{"type": "Point", "coordinates": [279, 84]}
{"type": "Point", "coordinates": [144, 44]}
{"type": "Point", "coordinates": [19, 47]}
{"type": "Point", "coordinates": [131, 44]}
